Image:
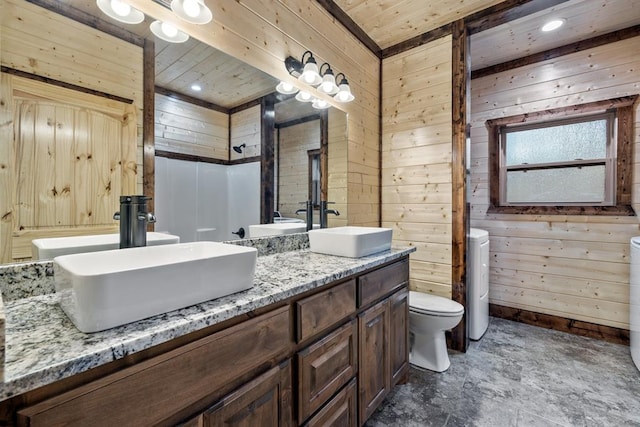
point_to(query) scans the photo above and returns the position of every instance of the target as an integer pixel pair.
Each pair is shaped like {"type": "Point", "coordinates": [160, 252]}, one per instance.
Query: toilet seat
{"type": "Point", "coordinates": [433, 305]}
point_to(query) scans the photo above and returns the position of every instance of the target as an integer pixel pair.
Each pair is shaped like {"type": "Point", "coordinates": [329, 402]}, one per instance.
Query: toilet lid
{"type": "Point", "coordinates": [433, 304]}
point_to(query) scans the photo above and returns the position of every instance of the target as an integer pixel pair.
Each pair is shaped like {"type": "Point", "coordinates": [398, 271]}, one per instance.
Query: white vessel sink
{"type": "Point", "coordinates": [350, 241]}
{"type": "Point", "coordinates": [101, 290]}
{"type": "Point", "coordinates": [56, 246]}
{"type": "Point", "coordinates": [261, 230]}
{"type": "Point", "coordinates": [283, 220]}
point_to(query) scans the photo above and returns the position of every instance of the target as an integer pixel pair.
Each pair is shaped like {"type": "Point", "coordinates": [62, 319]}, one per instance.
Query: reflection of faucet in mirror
{"type": "Point", "coordinates": [309, 211]}
{"type": "Point", "coordinates": [133, 218]}
{"type": "Point", "coordinates": [324, 211]}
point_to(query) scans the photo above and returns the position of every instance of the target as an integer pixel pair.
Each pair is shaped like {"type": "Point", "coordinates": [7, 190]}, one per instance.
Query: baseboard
{"type": "Point", "coordinates": [548, 321]}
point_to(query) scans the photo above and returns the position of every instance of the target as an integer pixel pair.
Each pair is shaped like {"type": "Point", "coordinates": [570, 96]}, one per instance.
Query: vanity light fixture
{"type": "Point", "coordinates": [320, 104]}
{"type": "Point", "coordinates": [286, 88]}
{"type": "Point", "coordinates": [194, 11]}
{"type": "Point", "coordinates": [120, 11]}
{"type": "Point", "coordinates": [553, 25]}
{"type": "Point", "coordinates": [344, 91]}
{"type": "Point", "coordinates": [310, 74]}
{"type": "Point", "coordinates": [303, 96]}
{"type": "Point", "coordinates": [168, 32]}
{"type": "Point", "coordinates": [328, 84]}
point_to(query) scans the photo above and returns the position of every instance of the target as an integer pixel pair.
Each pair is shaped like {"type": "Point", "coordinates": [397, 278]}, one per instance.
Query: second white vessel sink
{"type": "Point", "coordinates": [350, 241]}
{"type": "Point", "coordinates": [101, 290]}
{"type": "Point", "coordinates": [50, 248]}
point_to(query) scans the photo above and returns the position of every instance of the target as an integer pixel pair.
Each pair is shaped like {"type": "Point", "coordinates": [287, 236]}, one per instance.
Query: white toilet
{"type": "Point", "coordinates": [429, 317]}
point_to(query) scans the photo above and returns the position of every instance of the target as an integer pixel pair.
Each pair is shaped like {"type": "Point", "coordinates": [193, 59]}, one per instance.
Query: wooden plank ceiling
{"type": "Point", "coordinates": [228, 82]}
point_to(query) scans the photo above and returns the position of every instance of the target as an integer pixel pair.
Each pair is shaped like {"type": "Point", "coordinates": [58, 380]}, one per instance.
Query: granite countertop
{"type": "Point", "coordinates": [43, 346]}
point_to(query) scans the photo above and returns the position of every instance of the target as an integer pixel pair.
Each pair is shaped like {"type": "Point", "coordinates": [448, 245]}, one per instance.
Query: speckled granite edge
{"type": "Point", "coordinates": [26, 280]}
{"type": "Point", "coordinates": [43, 346]}
{"type": "Point", "coordinates": [271, 245]}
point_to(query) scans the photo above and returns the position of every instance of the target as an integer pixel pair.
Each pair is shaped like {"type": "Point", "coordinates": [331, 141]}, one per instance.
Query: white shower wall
{"type": "Point", "coordinates": [204, 201]}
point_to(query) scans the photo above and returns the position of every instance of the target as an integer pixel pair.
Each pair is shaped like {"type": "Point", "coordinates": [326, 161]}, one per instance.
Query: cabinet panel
{"type": "Point", "coordinates": [265, 401]}
{"type": "Point", "coordinates": [324, 367]}
{"type": "Point", "coordinates": [399, 330]}
{"type": "Point", "coordinates": [324, 309]}
{"type": "Point", "coordinates": [374, 376]}
{"type": "Point", "coordinates": [154, 390]}
{"type": "Point", "coordinates": [375, 285]}
{"type": "Point", "coordinates": [341, 411]}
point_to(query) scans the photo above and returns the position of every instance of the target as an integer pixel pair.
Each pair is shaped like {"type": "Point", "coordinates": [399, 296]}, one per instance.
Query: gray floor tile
{"type": "Point", "coordinates": [521, 375]}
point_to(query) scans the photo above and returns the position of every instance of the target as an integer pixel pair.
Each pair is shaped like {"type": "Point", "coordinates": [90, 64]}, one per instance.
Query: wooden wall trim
{"type": "Point", "coordinates": [416, 41]}
{"type": "Point", "coordinates": [78, 15]}
{"type": "Point", "coordinates": [298, 121]}
{"type": "Point", "coordinates": [460, 65]}
{"type": "Point", "coordinates": [267, 161]}
{"type": "Point", "coordinates": [249, 104]}
{"type": "Point", "coordinates": [190, 99]}
{"type": "Point", "coordinates": [148, 124]}
{"type": "Point", "coordinates": [65, 85]}
{"type": "Point", "coordinates": [324, 155]}
{"type": "Point", "coordinates": [189, 157]}
{"type": "Point", "coordinates": [612, 37]}
{"type": "Point", "coordinates": [548, 321]}
{"type": "Point", "coordinates": [342, 17]}
{"type": "Point", "coordinates": [504, 12]}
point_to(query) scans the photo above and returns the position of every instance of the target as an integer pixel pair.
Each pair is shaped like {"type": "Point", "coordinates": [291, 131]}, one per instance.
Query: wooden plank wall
{"type": "Point", "coordinates": [337, 166]}
{"type": "Point", "coordinates": [293, 165]}
{"type": "Point", "coordinates": [72, 53]}
{"type": "Point", "coordinates": [185, 128]}
{"type": "Point", "coordinates": [575, 267]}
{"type": "Point", "coordinates": [264, 33]}
{"type": "Point", "coordinates": [416, 160]}
{"type": "Point", "coordinates": [245, 129]}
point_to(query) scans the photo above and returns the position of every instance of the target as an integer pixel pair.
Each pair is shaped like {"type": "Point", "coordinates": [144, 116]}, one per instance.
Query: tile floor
{"type": "Point", "coordinates": [521, 375]}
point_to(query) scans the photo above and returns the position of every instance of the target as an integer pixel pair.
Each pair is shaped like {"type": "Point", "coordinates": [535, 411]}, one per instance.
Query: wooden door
{"type": "Point", "coordinates": [374, 358]}
{"type": "Point", "coordinates": [399, 340]}
{"type": "Point", "coordinates": [265, 401]}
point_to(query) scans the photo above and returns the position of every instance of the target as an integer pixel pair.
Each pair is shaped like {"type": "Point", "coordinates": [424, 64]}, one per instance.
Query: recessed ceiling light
{"type": "Point", "coordinates": [553, 25]}
{"type": "Point", "coordinates": [196, 87]}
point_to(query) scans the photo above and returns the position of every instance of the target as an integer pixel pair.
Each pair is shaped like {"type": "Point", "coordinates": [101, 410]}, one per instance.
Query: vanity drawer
{"type": "Point", "coordinates": [325, 366]}
{"type": "Point", "coordinates": [153, 391]}
{"type": "Point", "coordinates": [373, 286]}
{"type": "Point", "coordinates": [340, 411]}
{"type": "Point", "coordinates": [324, 309]}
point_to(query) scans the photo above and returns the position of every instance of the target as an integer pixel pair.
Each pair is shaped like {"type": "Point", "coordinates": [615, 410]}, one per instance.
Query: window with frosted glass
{"type": "Point", "coordinates": [564, 162]}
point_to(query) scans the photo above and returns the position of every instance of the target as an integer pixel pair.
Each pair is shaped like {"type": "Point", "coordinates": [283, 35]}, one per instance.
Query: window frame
{"type": "Point", "coordinates": [620, 113]}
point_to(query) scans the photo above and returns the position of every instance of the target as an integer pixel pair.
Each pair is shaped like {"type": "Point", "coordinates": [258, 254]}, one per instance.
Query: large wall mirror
{"type": "Point", "coordinates": [73, 96]}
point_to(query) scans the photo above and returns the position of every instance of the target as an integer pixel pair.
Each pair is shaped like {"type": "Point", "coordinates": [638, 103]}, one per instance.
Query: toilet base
{"type": "Point", "coordinates": [429, 352]}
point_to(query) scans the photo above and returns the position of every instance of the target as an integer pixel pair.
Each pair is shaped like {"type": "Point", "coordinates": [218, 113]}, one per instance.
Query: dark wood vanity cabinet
{"type": "Point", "coordinates": [325, 358]}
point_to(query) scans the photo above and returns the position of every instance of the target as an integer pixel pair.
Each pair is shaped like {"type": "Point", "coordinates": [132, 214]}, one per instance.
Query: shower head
{"type": "Point", "coordinates": [238, 148]}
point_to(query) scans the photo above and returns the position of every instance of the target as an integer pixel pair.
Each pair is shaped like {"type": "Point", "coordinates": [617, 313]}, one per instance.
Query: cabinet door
{"type": "Point", "coordinates": [399, 329]}
{"type": "Point", "coordinates": [339, 411]}
{"type": "Point", "coordinates": [374, 358]}
{"type": "Point", "coordinates": [325, 366]}
{"type": "Point", "coordinates": [265, 401]}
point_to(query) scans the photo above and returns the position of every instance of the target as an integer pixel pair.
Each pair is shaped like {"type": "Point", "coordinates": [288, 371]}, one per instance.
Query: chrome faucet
{"type": "Point", "coordinates": [309, 211]}
{"type": "Point", "coordinates": [324, 211]}
{"type": "Point", "coordinates": [133, 217]}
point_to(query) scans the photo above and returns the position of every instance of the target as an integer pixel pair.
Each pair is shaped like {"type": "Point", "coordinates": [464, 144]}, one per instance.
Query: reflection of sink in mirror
{"type": "Point", "coordinates": [261, 230]}
{"type": "Point", "coordinates": [283, 220]}
{"type": "Point", "coordinates": [101, 290]}
{"type": "Point", "coordinates": [353, 242]}
{"type": "Point", "coordinates": [56, 246]}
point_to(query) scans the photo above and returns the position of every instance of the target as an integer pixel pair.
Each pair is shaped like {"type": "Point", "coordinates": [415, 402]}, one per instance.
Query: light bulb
{"type": "Point", "coordinates": [305, 95]}
{"type": "Point", "coordinates": [120, 8]}
{"type": "Point", "coordinates": [169, 30]}
{"type": "Point", "coordinates": [321, 103]}
{"type": "Point", "coordinates": [309, 77]}
{"type": "Point", "coordinates": [287, 86]}
{"type": "Point", "coordinates": [326, 87]}
{"type": "Point", "coordinates": [191, 8]}
{"type": "Point", "coordinates": [343, 96]}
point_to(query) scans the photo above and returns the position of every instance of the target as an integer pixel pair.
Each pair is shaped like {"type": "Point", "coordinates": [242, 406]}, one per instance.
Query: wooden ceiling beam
{"type": "Point", "coordinates": [504, 12]}
{"type": "Point", "coordinates": [579, 46]}
{"type": "Point", "coordinates": [342, 17]}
